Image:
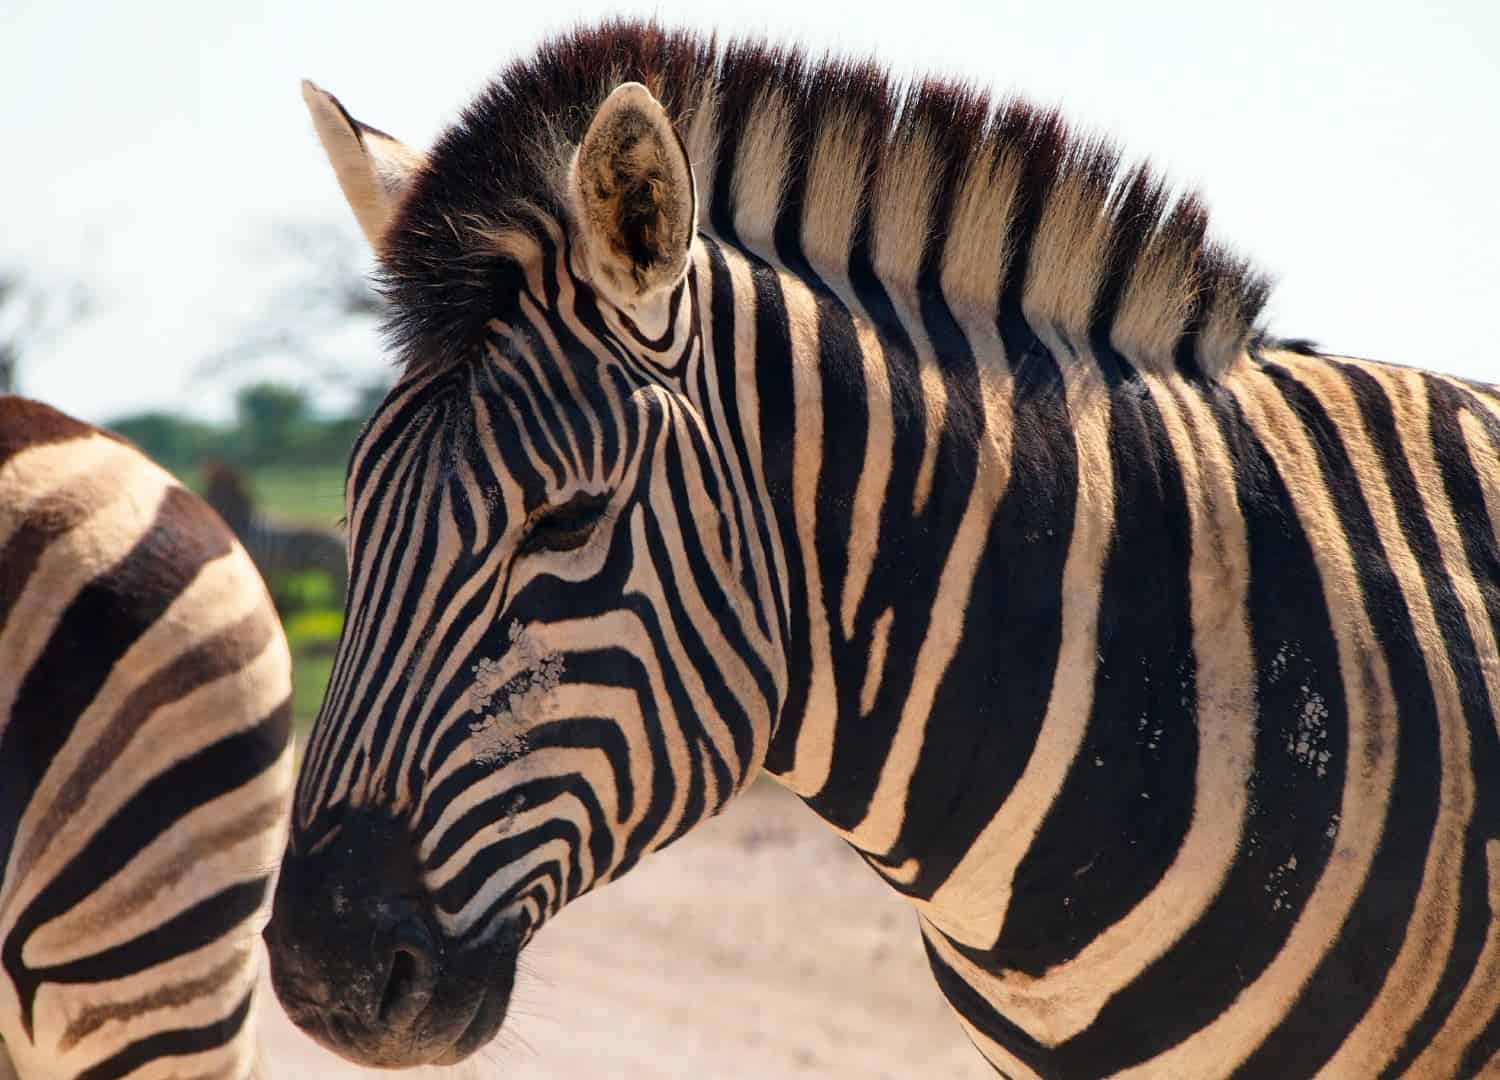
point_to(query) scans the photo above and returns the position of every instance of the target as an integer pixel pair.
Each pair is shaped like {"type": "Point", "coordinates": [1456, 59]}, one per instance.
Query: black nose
{"type": "Point", "coordinates": [410, 972]}
{"type": "Point", "coordinates": [359, 959]}
{"type": "Point", "coordinates": [356, 955]}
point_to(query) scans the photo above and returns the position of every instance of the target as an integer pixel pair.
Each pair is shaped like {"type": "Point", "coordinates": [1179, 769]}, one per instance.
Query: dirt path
{"type": "Point", "coordinates": [758, 946]}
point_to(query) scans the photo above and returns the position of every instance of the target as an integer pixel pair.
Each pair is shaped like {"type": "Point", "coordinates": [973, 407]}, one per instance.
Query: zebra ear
{"type": "Point", "coordinates": [634, 198]}
{"type": "Point", "coordinates": [374, 169]}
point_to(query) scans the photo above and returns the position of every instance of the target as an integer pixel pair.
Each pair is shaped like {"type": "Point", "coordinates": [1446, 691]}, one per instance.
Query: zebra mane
{"type": "Point", "coordinates": [833, 170]}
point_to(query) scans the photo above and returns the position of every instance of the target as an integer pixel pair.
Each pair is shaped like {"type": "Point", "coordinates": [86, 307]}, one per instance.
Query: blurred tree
{"type": "Point", "coordinates": [317, 293]}
{"type": "Point", "coordinates": [275, 423]}
{"type": "Point", "coordinates": [176, 442]}
{"type": "Point", "coordinates": [321, 288]}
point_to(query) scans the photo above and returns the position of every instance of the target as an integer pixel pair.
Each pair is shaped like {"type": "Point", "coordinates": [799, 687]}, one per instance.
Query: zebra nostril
{"type": "Point", "coordinates": [410, 975]}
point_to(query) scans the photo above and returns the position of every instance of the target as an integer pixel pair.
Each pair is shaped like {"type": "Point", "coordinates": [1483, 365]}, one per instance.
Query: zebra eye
{"type": "Point", "coordinates": [565, 527]}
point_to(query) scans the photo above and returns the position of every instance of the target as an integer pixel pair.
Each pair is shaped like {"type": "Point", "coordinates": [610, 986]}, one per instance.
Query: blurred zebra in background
{"type": "Point", "coordinates": [275, 546]}
{"type": "Point", "coordinates": [145, 763]}
{"type": "Point", "coordinates": [758, 413]}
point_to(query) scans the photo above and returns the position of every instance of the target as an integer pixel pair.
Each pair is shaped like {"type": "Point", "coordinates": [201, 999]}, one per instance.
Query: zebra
{"type": "Point", "coordinates": [757, 412]}
{"type": "Point", "coordinates": [276, 547]}
{"type": "Point", "coordinates": [145, 763]}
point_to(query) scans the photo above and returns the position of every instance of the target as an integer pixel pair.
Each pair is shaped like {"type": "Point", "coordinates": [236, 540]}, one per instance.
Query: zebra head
{"type": "Point", "coordinates": [560, 649]}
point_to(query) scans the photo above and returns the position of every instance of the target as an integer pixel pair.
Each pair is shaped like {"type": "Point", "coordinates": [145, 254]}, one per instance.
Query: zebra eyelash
{"type": "Point", "coordinates": [566, 527]}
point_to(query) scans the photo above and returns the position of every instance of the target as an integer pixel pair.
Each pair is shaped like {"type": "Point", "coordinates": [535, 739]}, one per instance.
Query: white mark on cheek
{"type": "Point", "coordinates": [508, 816]}
{"type": "Point", "coordinates": [508, 706]}
{"type": "Point", "coordinates": [1281, 659]}
{"type": "Point", "coordinates": [1277, 886]}
{"type": "Point", "coordinates": [1308, 744]}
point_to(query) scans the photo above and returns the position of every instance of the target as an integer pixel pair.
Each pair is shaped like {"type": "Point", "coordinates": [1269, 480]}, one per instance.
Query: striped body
{"type": "Point", "coordinates": [145, 757]}
{"type": "Point", "coordinates": [1152, 660]}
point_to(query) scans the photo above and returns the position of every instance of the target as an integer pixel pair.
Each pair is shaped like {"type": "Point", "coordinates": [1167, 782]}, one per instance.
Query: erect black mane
{"type": "Point", "coordinates": [445, 276]}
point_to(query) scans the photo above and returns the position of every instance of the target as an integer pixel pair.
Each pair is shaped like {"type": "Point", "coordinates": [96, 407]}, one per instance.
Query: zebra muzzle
{"type": "Point", "coordinates": [357, 957]}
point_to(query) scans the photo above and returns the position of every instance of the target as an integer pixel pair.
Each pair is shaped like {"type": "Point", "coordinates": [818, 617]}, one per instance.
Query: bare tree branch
{"type": "Point", "coordinates": [323, 289]}
{"type": "Point", "coordinates": [35, 310]}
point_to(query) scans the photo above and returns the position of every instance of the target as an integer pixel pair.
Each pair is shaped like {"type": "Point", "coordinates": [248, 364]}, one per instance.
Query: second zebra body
{"type": "Point", "coordinates": [145, 764]}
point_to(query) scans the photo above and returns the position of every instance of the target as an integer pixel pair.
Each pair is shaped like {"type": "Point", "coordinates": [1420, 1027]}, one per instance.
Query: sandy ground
{"type": "Point", "coordinates": [758, 946]}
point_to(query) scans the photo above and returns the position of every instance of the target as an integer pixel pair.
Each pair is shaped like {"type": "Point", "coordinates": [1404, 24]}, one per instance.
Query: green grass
{"type": "Point", "coordinates": [309, 681]}
{"type": "Point", "coordinates": [313, 635]}
{"type": "Point", "coordinates": [313, 630]}
{"type": "Point", "coordinates": [309, 494]}
{"type": "Point", "coordinates": [308, 591]}
{"type": "Point", "coordinates": [313, 494]}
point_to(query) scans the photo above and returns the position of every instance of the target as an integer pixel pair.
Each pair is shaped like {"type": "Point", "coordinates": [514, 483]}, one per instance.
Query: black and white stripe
{"type": "Point", "coordinates": [1153, 660]}
{"type": "Point", "coordinates": [145, 763]}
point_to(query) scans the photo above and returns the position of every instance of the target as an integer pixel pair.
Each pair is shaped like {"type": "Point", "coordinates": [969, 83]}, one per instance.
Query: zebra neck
{"type": "Point", "coordinates": [950, 501]}
{"type": "Point", "coordinates": [884, 445]}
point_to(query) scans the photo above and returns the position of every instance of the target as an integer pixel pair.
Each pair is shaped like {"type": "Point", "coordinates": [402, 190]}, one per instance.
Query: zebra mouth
{"type": "Point", "coordinates": [478, 983]}
{"type": "Point", "coordinates": [484, 1026]}
{"type": "Point", "coordinates": [465, 1010]}
{"type": "Point", "coordinates": [487, 974]}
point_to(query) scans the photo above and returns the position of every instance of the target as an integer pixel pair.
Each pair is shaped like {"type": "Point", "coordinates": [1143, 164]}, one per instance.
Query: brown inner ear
{"type": "Point", "coordinates": [641, 222]}
{"type": "Point", "coordinates": [626, 173]}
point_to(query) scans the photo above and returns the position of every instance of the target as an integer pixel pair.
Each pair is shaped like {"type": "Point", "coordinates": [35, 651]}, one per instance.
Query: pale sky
{"type": "Point", "coordinates": [1351, 148]}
